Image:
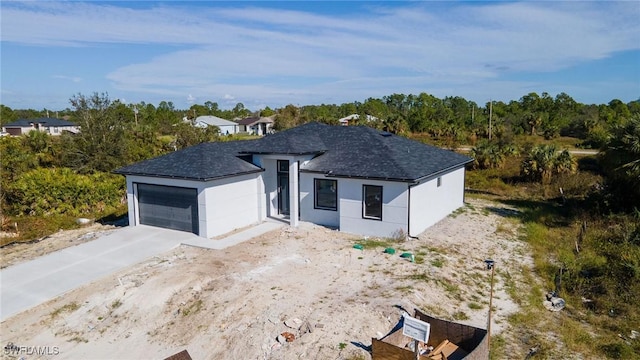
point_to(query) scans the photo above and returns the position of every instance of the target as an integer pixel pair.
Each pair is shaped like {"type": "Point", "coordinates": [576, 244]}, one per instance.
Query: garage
{"type": "Point", "coordinates": [169, 207]}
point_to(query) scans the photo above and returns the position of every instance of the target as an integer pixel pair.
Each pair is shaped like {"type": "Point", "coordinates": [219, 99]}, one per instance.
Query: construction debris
{"type": "Point", "coordinates": [289, 337]}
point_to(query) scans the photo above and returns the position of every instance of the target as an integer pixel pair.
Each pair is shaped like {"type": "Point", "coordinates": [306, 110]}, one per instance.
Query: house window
{"type": "Point", "coordinates": [283, 166]}
{"type": "Point", "coordinates": [326, 194]}
{"type": "Point", "coordinates": [372, 202]}
{"type": "Point", "coordinates": [439, 181]}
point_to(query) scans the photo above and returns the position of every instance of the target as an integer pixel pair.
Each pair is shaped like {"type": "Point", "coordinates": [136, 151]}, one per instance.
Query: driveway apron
{"type": "Point", "coordinates": [33, 282]}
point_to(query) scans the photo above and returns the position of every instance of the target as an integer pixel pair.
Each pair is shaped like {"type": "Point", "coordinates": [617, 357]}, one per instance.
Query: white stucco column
{"type": "Point", "coordinates": [294, 202]}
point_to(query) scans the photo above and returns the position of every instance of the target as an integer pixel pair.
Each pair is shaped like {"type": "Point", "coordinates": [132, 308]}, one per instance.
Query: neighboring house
{"type": "Point", "coordinates": [51, 126]}
{"type": "Point", "coordinates": [353, 117]}
{"type": "Point", "coordinates": [357, 179]}
{"type": "Point", "coordinates": [226, 127]}
{"type": "Point", "coordinates": [256, 125]}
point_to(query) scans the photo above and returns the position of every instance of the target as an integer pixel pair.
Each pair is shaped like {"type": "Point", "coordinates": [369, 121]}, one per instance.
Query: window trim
{"type": "Point", "coordinates": [315, 195]}
{"type": "Point", "coordinates": [364, 204]}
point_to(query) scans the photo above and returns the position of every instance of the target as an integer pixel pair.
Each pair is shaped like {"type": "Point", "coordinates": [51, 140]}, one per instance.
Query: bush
{"type": "Point", "coordinates": [61, 191]}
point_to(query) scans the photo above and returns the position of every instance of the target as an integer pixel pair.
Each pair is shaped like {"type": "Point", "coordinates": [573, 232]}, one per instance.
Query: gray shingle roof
{"type": "Point", "coordinates": [201, 162]}
{"type": "Point", "coordinates": [45, 121]}
{"type": "Point", "coordinates": [351, 151]}
{"type": "Point", "coordinates": [360, 151]}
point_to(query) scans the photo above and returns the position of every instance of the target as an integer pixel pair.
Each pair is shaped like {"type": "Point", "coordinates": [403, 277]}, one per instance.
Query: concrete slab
{"type": "Point", "coordinates": [236, 238]}
{"type": "Point", "coordinates": [30, 283]}
{"type": "Point", "coordinates": [33, 282]}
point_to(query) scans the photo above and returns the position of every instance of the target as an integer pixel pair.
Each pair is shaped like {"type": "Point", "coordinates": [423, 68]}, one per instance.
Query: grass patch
{"type": "Point", "coordinates": [71, 307]}
{"type": "Point", "coordinates": [116, 304]}
{"type": "Point", "coordinates": [78, 339]}
{"type": "Point", "coordinates": [437, 262]}
{"type": "Point", "coordinates": [474, 306]}
{"type": "Point", "coordinates": [372, 244]}
{"type": "Point", "coordinates": [460, 315]}
{"type": "Point", "coordinates": [420, 277]}
{"type": "Point", "coordinates": [498, 348]}
{"type": "Point", "coordinates": [195, 307]}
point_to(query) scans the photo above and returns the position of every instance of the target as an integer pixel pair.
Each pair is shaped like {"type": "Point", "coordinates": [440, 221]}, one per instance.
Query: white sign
{"type": "Point", "coordinates": [416, 329]}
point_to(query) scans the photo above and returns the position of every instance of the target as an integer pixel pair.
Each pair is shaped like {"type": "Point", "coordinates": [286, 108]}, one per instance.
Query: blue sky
{"type": "Point", "coordinates": [313, 52]}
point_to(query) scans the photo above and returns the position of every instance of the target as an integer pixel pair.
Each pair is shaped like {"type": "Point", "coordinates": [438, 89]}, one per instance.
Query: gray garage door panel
{"type": "Point", "coordinates": [168, 207]}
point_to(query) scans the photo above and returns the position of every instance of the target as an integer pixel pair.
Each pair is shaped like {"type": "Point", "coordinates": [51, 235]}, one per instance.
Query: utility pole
{"type": "Point", "coordinates": [490, 113]}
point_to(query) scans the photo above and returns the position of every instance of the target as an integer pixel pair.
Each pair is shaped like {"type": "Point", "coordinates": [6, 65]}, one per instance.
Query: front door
{"type": "Point", "coordinates": [283, 187]}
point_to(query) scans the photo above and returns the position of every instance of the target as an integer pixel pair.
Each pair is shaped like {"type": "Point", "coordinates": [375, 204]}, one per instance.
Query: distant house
{"type": "Point", "coordinates": [226, 127]}
{"type": "Point", "coordinates": [51, 126]}
{"type": "Point", "coordinates": [351, 118]}
{"type": "Point", "coordinates": [356, 178]}
{"type": "Point", "coordinates": [256, 125]}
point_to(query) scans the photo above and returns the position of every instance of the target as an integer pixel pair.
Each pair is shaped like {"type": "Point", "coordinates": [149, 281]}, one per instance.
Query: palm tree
{"type": "Point", "coordinates": [621, 161]}
{"type": "Point", "coordinates": [544, 161]}
{"type": "Point", "coordinates": [487, 155]}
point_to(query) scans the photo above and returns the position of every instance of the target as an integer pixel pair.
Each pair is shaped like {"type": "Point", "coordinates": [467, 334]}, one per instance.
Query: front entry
{"type": "Point", "coordinates": [283, 187]}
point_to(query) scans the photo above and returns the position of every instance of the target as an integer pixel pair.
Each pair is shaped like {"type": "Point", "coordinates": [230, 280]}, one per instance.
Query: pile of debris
{"type": "Point", "coordinates": [298, 327]}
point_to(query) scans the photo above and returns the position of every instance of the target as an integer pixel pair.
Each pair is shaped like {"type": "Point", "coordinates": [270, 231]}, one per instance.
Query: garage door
{"type": "Point", "coordinates": [168, 207]}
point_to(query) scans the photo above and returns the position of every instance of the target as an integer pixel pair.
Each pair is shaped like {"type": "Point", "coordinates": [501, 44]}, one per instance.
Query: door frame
{"type": "Point", "coordinates": [283, 175]}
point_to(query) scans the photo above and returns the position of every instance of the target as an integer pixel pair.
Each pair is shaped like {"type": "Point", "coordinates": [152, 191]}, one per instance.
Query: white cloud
{"type": "Point", "coordinates": [75, 79]}
{"type": "Point", "coordinates": [270, 55]}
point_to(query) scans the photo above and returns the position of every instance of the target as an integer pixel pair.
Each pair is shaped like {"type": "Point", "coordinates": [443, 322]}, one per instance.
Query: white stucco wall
{"type": "Point", "coordinates": [307, 211]}
{"type": "Point", "coordinates": [394, 208]}
{"type": "Point", "coordinates": [232, 203]}
{"type": "Point", "coordinates": [430, 203]}
{"type": "Point", "coordinates": [232, 129]}
{"type": "Point", "coordinates": [269, 163]}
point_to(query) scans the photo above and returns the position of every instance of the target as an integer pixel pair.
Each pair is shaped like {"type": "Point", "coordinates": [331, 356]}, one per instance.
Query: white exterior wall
{"type": "Point", "coordinates": [430, 203]}
{"type": "Point", "coordinates": [307, 210]}
{"type": "Point", "coordinates": [232, 202]}
{"type": "Point", "coordinates": [395, 207]}
{"type": "Point", "coordinates": [232, 129]}
{"type": "Point", "coordinates": [269, 163]}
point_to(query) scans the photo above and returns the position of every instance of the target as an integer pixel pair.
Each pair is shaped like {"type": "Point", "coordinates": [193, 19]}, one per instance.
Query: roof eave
{"type": "Point", "coordinates": [203, 179]}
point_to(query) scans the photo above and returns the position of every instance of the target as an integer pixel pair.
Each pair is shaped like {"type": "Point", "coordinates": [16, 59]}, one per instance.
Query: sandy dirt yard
{"type": "Point", "coordinates": [233, 304]}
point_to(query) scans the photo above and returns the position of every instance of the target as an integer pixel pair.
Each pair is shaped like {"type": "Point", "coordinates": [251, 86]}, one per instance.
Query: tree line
{"type": "Point", "coordinates": [114, 134]}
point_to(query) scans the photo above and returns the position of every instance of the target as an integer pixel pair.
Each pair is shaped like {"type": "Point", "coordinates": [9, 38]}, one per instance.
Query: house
{"type": "Point", "coordinates": [357, 179]}
{"type": "Point", "coordinates": [226, 127]}
{"type": "Point", "coordinates": [354, 117]}
{"type": "Point", "coordinates": [256, 125]}
{"type": "Point", "coordinates": [51, 126]}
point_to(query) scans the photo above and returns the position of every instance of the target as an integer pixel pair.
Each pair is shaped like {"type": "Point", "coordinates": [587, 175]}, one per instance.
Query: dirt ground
{"type": "Point", "coordinates": [233, 304]}
{"type": "Point", "coordinates": [18, 252]}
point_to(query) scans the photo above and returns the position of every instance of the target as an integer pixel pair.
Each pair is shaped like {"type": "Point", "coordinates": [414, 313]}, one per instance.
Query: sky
{"type": "Point", "coordinates": [315, 52]}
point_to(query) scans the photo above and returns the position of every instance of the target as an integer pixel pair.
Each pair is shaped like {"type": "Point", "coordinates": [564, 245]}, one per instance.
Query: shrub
{"type": "Point", "coordinates": [61, 191]}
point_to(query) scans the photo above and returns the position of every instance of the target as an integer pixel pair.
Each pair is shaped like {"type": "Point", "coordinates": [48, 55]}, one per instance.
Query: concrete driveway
{"type": "Point", "coordinates": [33, 282]}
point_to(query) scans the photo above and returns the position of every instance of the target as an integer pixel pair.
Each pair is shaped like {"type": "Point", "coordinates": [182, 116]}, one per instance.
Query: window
{"type": "Point", "coordinates": [283, 166]}
{"type": "Point", "coordinates": [326, 195]}
{"type": "Point", "coordinates": [372, 202]}
{"type": "Point", "coordinates": [439, 181]}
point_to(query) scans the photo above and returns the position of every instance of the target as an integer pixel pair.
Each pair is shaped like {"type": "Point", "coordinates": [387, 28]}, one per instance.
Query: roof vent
{"type": "Point", "coordinates": [385, 133]}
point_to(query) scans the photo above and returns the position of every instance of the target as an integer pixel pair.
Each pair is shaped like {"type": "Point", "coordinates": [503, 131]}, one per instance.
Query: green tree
{"type": "Point", "coordinates": [7, 115]}
{"type": "Point", "coordinates": [542, 162]}
{"type": "Point", "coordinates": [490, 155]}
{"type": "Point", "coordinates": [621, 163]}
{"type": "Point", "coordinates": [100, 145]}
{"type": "Point", "coordinates": [287, 117]}
{"type": "Point", "coordinates": [266, 112]}
{"type": "Point", "coordinates": [189, 135]}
